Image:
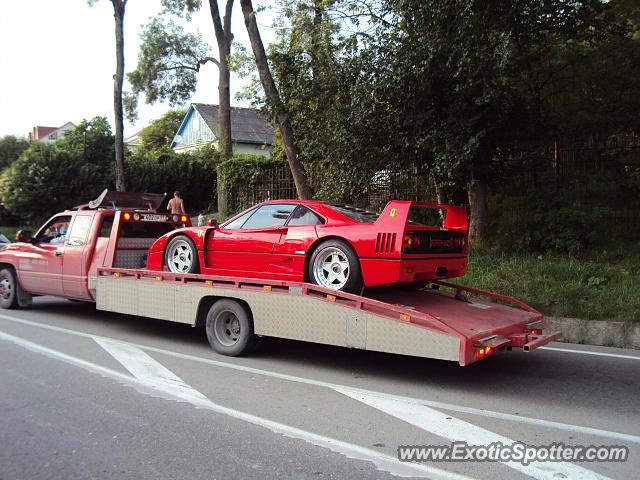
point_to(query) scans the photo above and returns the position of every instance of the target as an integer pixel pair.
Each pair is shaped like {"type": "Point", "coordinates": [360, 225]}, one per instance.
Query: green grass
{"type": "Point", "coordinates": [602, 285]}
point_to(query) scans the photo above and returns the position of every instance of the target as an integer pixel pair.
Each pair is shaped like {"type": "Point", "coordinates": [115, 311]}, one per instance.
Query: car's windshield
{"type": "Point", "coordinates": [357, 214]}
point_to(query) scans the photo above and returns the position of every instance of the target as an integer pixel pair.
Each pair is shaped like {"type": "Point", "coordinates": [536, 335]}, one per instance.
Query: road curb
{"type": "Point", "coordinates": [597, 332]}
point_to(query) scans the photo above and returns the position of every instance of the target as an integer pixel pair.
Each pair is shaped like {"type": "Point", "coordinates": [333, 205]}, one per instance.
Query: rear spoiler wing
{"type": "Point", "coordinates": [455, 217]}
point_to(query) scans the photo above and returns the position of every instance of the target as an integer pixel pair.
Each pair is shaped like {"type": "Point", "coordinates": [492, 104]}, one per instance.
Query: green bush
{"type": "Point", "coordinates": [246, 175]}
{"type": "Point", "coordinates": [49, 177]}
{"type": "Point", "coordinates": [164, 171]}
{"type": "Point", "coordinates": [566, 214]}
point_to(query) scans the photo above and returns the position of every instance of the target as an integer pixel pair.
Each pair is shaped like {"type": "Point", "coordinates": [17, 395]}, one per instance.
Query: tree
{"type": "Point", "coordinates": [167, 48]}
{"type": "Point", "coordinates": [118, 80]}
{"type": "Point", "coordinates": [51, 176]}
{"type": "Point", "coordinates": [161, 131]}
{"type": "Point", "coordinates": [275, 102]}
{"type": "Point", "coordinates": [10, 149]}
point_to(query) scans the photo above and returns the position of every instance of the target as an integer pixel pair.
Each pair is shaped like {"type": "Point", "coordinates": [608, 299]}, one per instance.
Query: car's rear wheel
{"type": "Point", "coordinates": [181, 255]}
{"type": "Point", "coordinates": [229, 327]}
{"type": "Point", "coordinates": [335, 265]}
{"type": "Point", "coordinates": [8, 289]}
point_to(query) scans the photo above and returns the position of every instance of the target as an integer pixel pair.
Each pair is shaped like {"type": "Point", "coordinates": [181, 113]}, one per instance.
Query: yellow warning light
{"type": "Point", "coordinates": [209, 283]}
{"type": "Point", "coordinates": [267, 288]}
{"type": "Point", "coordinates": [158, 278]}
{"type": "Point", "coordinates": [116, 274]}
{"type": "Point", "coordinates": [331, 298]}
{"type": "Point", "coordinates": [405, 318]}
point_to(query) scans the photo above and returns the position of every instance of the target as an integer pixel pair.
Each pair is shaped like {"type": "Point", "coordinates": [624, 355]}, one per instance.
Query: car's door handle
{"type": "Point", "coordinates": [59, 253]}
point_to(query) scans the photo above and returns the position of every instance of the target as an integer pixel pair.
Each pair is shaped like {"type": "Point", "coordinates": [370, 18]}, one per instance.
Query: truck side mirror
{"type": "Point", "coordinates": [213, 223]}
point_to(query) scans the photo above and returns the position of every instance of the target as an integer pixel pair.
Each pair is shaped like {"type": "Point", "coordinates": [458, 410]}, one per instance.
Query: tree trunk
{"type": "Point", "coordinates": [224, 37]}
{"type": "Point", "coordinates": [479, 206]}
{"type": "Point", "coordinates": [118, 80]}
{"type": "Point", "coordinates": [441, 196]}
{"type": "Point", "coordinates": [282, 119]}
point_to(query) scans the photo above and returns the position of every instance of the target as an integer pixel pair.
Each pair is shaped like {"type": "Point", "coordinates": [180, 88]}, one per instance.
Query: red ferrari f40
{"type": "Point", "coordinates": [335, 246]}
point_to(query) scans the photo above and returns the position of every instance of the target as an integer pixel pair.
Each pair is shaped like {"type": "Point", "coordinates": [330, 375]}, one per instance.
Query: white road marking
{"type": "Point", "coordinates": [454, 430]}
{"type": "Point", "coordinates": [589, 352]}
{"type": "Point", "coordinates": [166, 388]}
{"type": "Point", "coordinates": [625, 437]}
{"type": "Point", "coordinates": [147, 370]}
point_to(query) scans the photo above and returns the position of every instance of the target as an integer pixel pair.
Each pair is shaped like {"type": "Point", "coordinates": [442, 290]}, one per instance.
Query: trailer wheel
{"type": "Point", "coordinates": [229, 328]}
{"type": "Point", "coordinates": [8, 289]}
{"type": "Point", "coordinates": [181, 255]}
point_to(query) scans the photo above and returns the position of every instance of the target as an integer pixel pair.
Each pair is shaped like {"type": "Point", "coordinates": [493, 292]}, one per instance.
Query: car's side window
{"type": "Point", "coordinates": [304, 216]}
{"type": "Point", "coordinates": [271, 215]}
{"type": "Point", "coordinates": [237, 223]}
{"type": "Point", "coordinates": [55, 232]}
{"type": "Point", "coordinates": [79, 230]}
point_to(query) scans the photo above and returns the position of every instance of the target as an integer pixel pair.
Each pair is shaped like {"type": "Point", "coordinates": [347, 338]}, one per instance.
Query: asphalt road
{"type": "Point", "coordinates": [89, 394]}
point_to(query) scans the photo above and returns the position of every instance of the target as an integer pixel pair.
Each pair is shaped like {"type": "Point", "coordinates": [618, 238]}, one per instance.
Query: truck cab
{"type": "Point", "coordinates": [62, 258]}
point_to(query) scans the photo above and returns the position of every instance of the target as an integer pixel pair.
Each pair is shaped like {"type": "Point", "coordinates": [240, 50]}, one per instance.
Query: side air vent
{"type": "Point", "coordinates": [385, 242]}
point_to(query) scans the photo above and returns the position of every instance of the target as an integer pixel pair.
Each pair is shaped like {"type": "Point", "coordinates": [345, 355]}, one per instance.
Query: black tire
{"type": "Point", "coordinates": [189, 251]}
{"type": "Point", "coordinates": [8, 289]}
{"type": "Point", "coordinates": [353, 283]}
{"type": "Point", "coordinates": [229, 327]}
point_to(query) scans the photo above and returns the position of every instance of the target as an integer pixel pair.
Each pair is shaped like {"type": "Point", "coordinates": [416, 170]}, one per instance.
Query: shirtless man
{"type": "Point", "coordinates": [176, 204]}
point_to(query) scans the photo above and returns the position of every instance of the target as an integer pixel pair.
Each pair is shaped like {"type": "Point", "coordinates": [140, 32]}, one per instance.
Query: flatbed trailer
{"type": "Point", "coordinates": [444, 321]}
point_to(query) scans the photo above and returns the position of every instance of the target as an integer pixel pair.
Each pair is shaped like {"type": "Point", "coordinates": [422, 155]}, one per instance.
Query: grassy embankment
{"type": "Point", "coordinates": [600, 285]}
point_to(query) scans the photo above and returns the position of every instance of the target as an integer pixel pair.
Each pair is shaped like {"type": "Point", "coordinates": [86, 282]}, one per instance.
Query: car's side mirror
{"type": "Point", "coordinates": [24, 236]}
{"type": "Point", "coordinates": [213, 223]}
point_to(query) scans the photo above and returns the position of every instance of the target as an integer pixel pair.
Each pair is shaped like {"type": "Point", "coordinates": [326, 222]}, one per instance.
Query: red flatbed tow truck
{"type": "Point", "coordinates": [101, 258]}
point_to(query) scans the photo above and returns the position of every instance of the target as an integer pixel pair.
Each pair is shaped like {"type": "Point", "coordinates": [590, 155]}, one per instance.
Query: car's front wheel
{"type": "Point", "coordinates": [181, 255]}
{"type": "Point", "coordinates": [335, 265]}
{"type": "Point", "coordinates": [8, 289]}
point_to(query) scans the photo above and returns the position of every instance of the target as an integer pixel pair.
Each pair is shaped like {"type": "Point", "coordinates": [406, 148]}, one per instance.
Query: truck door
{"type": "Point", "coordinates": [40, 268]}
{"type": "Point", "coordinates": [75, 257]}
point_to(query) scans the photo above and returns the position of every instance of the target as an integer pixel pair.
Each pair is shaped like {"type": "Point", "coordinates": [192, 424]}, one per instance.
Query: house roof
{"type": "Point", "coordinates": [41, 132]}
{"type": "Point", "coordinates": [247, 124]}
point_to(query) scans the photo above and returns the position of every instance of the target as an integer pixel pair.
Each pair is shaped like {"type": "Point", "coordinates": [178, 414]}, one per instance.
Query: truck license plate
{"type": "Point", "coordinates": [147, 217]}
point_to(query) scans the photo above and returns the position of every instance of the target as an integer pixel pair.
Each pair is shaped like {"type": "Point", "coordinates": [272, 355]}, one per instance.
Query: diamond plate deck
{"type": "Point", "coordinates": [286, 315]}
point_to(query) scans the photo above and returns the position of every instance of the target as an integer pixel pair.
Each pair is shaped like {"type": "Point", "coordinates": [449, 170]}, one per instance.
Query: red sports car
{"type": "Point", "coordinates": [335, 246]}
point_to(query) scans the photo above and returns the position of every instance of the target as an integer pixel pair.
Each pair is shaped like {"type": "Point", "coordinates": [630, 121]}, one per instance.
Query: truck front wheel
{"type": "Point", "coordinates": [229, 328]}
{"type": "Point", "coordinates": [8, 289]}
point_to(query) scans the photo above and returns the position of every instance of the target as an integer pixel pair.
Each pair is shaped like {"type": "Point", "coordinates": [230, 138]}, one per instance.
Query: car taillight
{"type": "Point", "coordinates": [411, 241]}
{"type": "Point", "coordinates": [458, 242]}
